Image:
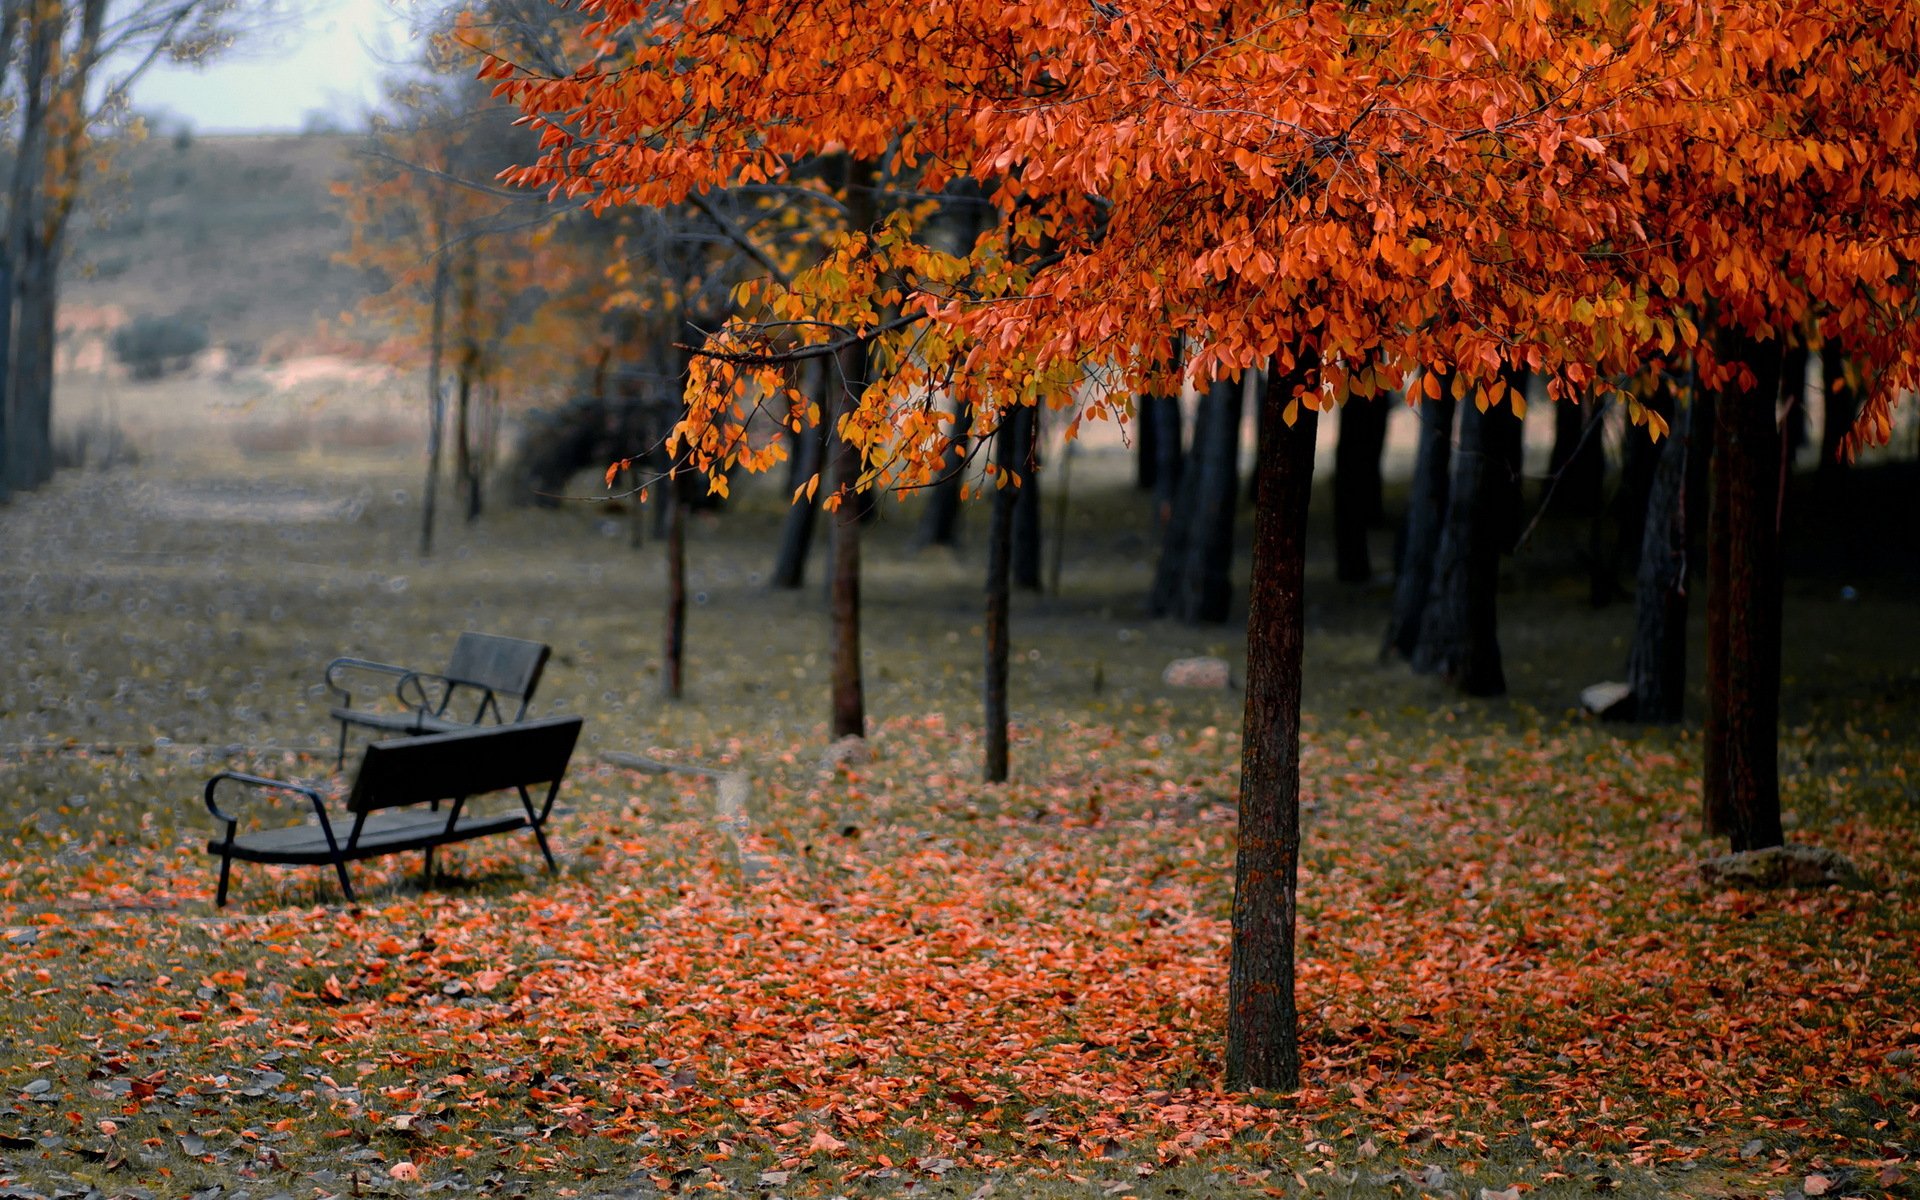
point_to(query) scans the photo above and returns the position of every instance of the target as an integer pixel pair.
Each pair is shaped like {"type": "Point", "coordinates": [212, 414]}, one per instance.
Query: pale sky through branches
{"type": "Point", "coordinates": [329, 59]}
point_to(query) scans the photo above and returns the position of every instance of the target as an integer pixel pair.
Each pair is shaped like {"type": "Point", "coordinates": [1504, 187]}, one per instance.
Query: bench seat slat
{"type": "Point", "coordinates": [398, 722]}
{"type": "Point", "coordinates": [384, 833]}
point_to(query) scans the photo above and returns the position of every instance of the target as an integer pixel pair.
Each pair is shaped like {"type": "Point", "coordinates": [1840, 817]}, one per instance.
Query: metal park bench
{"type": "Point", "coordinates": [486, 678]}
{"type": "Point", "coordinates": [395, 803]}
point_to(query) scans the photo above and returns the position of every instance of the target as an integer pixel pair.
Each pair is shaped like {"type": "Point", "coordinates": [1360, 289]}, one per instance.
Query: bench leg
{"type": "Point", "coordinates": [346, 885]}
{"type": "Point", "coordinates": [540, 835]}
{"type": "Point", "coordinates": [226, 871]}
{"type": "Point", "coordinates": [427, 876]}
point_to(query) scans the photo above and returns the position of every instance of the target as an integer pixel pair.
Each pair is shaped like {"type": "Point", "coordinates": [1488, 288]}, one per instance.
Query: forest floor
{"type": "Point", "coordinates": [883, 977]}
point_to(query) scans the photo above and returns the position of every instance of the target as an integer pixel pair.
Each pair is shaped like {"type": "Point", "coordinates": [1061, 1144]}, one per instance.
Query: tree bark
{"type": "Point", "coordinates": [1577, 467]}
{"type": "Point", "coordinates": [465, 466]}
{"type": "Point", "coordinates": [6, 368]}
{"type": "Point", "coordinates": [1146, 446]}
{"type": "Point", "coordinates": [1169, 457]}
{"type": "Point", "coordinates": [999, 561]}
{"type": "Point", "coordinates": [1426, 517]}
{"type": "Point", "coordinates": [1206, 578]}
{"type": "Point", "coordinates": [1459, 635]}
{"type": "Point", "coordinates": [1741, 789]}
{"type": "Point", "coordinates": [1657, 660]}
{"type": "Point", "coordinates": [1025, 566]}
{"type": "Point", "coordinates": [1838, 408]}
{"type": "Point", "coordinates": [31, 374]}
{"type": "Point", "coordinates": [436, 407]}
{"type": "Point", "coordinates": [849, 695]}
{"type": "Point", "coordinates": [1178, 520]}
{"type": "Point", "coordinates": [1357, 484]}
{"type": "Point", "coordinates": [1263, 1039]}
{"type": "Point", "coordinates": [940, 520]}
{"type": "Point", "coordinates": [796, 530]}
{"type": "Point", "coordinates": [674, 634]}
{"type": "Point", "coordinates": [1638, 455]}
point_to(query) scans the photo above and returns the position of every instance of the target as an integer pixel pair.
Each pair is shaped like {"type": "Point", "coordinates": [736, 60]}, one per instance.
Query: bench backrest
{"type": "Point", "coordinates": [509, 666]}
{"type": "Point", "coordinates": [469, 762]}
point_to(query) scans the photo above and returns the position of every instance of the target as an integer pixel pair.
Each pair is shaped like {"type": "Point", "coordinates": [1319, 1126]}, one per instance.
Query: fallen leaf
{"type": "Point", "coordinates": [1816, 1185]}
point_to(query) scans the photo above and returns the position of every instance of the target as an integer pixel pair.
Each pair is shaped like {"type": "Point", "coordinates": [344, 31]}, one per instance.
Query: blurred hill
{"type": "Point", "coordinates": [235, 232]}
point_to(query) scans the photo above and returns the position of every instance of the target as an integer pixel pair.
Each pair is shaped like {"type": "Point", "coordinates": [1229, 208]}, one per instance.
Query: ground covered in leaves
{"type": "Point", "coordinates": [879, 976]}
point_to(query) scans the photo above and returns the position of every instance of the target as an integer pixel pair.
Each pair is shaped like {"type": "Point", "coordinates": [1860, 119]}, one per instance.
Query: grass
{"type": "Point", "coordinates": [892, 979]}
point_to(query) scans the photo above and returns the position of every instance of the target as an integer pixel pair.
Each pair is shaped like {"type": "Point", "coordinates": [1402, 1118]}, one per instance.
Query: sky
{"type": "Point", "coordinates": [328, 61]}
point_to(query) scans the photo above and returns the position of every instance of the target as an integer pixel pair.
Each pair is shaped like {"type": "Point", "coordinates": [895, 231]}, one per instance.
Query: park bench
{"type": "Point", "coordinates": [394, 804]}
{"type": "Point", "coordinates": [485, 677]}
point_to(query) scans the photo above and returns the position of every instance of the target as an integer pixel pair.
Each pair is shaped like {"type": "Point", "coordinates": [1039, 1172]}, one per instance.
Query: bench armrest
{"type": "Point", "coordinates": [416, 691]}
{"type": "Point", "coordinates": [258, 783]}
{"type": "Point", "coordinates": [340, 666]}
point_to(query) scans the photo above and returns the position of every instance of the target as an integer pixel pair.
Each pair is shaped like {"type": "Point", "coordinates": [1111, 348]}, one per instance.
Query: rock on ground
{"type": "Point", "coordinates": [1196, 673]}
{"type": "Point", "coordinates": [1783, 866]}
{"type": "Point", "coordinates": [851, 750]}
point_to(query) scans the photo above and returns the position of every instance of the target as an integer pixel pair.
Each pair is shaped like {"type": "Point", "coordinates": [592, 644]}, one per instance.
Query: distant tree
{"type": "Point", "coordinates": [66, 67]}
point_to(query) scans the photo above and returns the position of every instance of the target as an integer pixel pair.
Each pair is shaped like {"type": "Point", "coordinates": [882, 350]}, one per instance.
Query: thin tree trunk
{"type": "Point", "coordinates": [32, 368]}
{"type": "Point", "coordinates": [1426, 517]}
{"type": "Point", "coordinates": [1263, 1037]}
{"type": "Point", "coordinates": [1206, 582]}
{"type": "Point", "coordinates": [1146, 446]}
{"type": "Point", "coordinates": [1459, 636]}
{"type": "Point", "coordinates": [1178, 519]}
{"type": "Point", "coordinates": [1638, 455]}
{"type": "Point", "coordinates": [1741, 789]}
{"type": "Point", "coordinates": [849, 696]}
{"type": "Point", "coordinates": [1657, 660]}
{"type": "Point", "coordinates": [1057, 552]}
{"type": "Point", "coordinates": [1838, 408]}
{"type": "Point", "coordinates": [1356, 484]}
{"type": "Point", "coordinates": [1026, 505]}
{"type": "Point", "coordinates": [1169, 458]}
{"type": "Point", "coordinates": [436, 407]}
{"type": "Point", "coordinates": [6, 368]}
{"type": "Point", "coordinates": [464, 468]}
{"type": "Point", "coordinates": [1577, 467]}
{"type": "Point", "coordinates": [796, 530]}
{"type": "Point", "coordinates": [675, 494]}
{"type": "Point", "coordinates": [940, 520]}
{"type": "Point", "coordinates": [1505, 433]}
{"type": "Point", "coordinates": [999, 561]}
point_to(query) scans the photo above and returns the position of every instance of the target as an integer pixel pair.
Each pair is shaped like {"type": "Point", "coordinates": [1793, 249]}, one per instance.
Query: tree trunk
{"type": "Point", "coordinates": [1356, 484]}
{"type": "Point", "coordinates": [999, 561]}
{"type": "Point", "coordinates": [1657, 660]}
{"type": "Point", "coordinates": [1505, 435]}
{"type": "Point", "coordinates": [1459, 636]}
{"type": "Point", "coordinates": [1426, 517]}
{"type": "Point", "coordinates": [465, 466]}
{"type": "Point", "coordinates": [1206, 580]}
{"type": "Point", "coordinates": [940, 520]}
{"type": "Point", "coordinates": [436, 407]}
{"type": "Point", "coordinates": [1146, 446]}
{"type": "Point", "coordinates": [1577, 467]}
{"type": "Point", "coordinates": [6, 366]}
{"type": "Point", "coordinates": [1178, 514]}
{"type": "Point", "coordinates": [31, 374]}
{"type": "Point", "coordinates": [1741, 789]}
{"type": "Point", "coordinates": [849, 696]}
{"type": "Point", "coordinates": [1025, 566]}
{"type": "Point", "coordinates": [1169, 458]}
{"type": "Point", "coordinates": [1263, 1039]}
{"type": "Point", "coordinates": [1638, 455]}
{"type": "Point", "coordinates": [675, 495]}
{"type": "Point", "coordinates": [1838, 408]}
{"type": "Point", "coordinates": [796, 531]}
